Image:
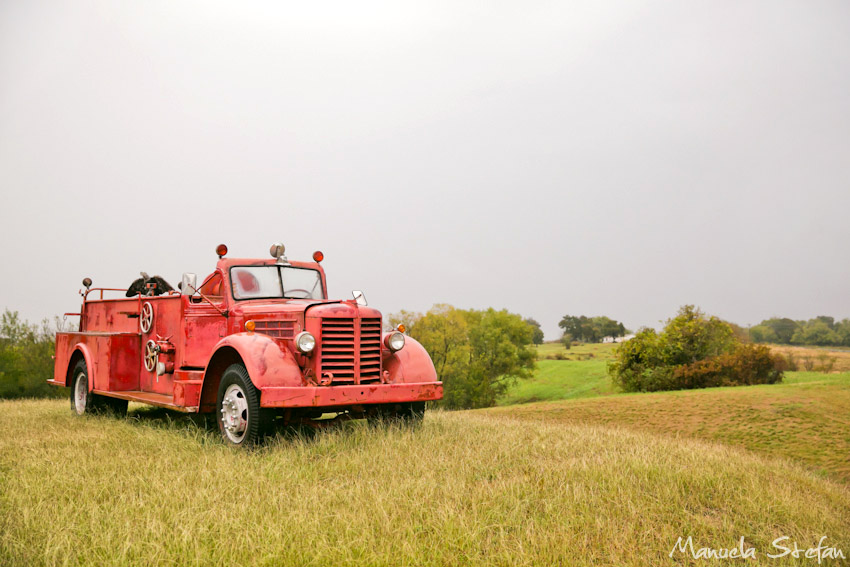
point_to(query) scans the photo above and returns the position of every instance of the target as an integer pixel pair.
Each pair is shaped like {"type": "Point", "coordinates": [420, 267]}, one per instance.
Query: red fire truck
{"type": "Point", "coordinates": [258, 342]}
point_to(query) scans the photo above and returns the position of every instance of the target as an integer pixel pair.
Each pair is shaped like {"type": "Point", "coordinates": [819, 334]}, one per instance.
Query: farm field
{"type": "Point", "coordinates": [465, 488]}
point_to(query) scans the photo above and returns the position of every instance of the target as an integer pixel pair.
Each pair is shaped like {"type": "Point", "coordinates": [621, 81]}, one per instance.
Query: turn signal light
{"type": "Point", "coordinates": [221, 250]}
{"type": "Point", "coordinates": [401, 328]}
{"type": "Point", "coordinates": [318, 256]}
{"type": "Point", "coordinates": [250, 326]}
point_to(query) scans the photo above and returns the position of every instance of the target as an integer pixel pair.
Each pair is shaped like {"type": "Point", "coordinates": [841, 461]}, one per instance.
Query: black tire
{"type": "Point", "coordinates": [410, 413]}
{"type": "Point", "coordinates": [241, 420]}
{"type": "Point", "coordinates": [413, 413]}
{"type": "Point", "coordinates": [84, 402]}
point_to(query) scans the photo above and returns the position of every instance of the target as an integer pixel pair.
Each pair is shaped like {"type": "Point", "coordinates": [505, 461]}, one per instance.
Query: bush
{"type": "Point", "coordinates": [26, 358]}
{"type": "Point", "coordinates": [693, 351]}
{"type": "Point", "coordinates": [746, 365]}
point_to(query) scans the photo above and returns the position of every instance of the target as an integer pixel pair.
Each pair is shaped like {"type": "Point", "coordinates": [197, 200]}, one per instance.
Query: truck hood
{"type": "Point", "coordinates": [342, 309]}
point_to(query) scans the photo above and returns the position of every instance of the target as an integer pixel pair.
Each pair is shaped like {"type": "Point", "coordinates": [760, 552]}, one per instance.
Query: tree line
{"type": "Point", "coordinates": [820, 331]}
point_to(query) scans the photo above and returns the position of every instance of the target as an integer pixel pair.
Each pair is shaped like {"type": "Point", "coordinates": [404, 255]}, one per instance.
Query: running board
{"type": "Point", "coordinates": [160, 400]}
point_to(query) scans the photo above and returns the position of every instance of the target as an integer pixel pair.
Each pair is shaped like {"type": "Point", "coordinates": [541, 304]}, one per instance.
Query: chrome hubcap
{"type": "Point", "coordinates": [234, 413]}
{"type": "Point", "coordinates": [81, 392]}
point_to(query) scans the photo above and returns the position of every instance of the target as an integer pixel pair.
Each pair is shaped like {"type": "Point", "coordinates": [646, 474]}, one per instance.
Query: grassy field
{"type": "Point", "coordinates": [470, 488]}
{"type": "Point", "coordinates": [806, 418]}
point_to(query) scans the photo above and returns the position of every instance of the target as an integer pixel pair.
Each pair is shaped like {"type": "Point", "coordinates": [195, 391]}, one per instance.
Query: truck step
{"type": "Point", "coordinates": [161, 400]}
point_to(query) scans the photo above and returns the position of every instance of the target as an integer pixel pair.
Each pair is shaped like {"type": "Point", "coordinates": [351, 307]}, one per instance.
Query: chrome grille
{"type": "Point", "coordinates": [277, 329]}
{"type": "Point", "coordinates": [344, 357]}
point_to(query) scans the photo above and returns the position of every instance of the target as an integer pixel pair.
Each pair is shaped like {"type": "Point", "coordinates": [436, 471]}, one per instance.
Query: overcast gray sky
{"type": "Point", "coordinates": [616, 158]}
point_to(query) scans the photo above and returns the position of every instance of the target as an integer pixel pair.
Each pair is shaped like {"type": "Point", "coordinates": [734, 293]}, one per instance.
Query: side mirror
{"type": "Point", "coordinates": [188, 284]}
{"type": "Point", "coordinates": [359, 297]}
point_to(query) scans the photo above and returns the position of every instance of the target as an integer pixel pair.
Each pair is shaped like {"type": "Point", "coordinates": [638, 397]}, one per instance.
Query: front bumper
{"type": "Point", "coordinates": [330, 396]}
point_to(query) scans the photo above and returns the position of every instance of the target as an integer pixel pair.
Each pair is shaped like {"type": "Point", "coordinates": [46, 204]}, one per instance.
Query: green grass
{"type": "Point", "coordinates": [561, 380]}
{"type": "Point", "coordinates": [806, 419]}
{"type": "Point", "coordinates": [582, 374]}
{"type": "Point", "coordinates": [466, 488]}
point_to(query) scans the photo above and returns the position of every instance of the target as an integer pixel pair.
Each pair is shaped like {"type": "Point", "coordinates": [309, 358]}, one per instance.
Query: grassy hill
{"type": "Point", "coordinates": [806, 418]}
{"type": "Point", "coordinates": [465, 488]}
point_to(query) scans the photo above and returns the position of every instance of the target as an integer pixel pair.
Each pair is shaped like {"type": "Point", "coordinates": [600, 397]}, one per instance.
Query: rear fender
{"type": "Point", "coordinates": [86, 354]}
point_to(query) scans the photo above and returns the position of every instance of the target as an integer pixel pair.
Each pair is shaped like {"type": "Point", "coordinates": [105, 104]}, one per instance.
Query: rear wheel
{"type": "Point", "coordinates": [83, 401]}
{"type": "Point", "coordinates": [241, 420]}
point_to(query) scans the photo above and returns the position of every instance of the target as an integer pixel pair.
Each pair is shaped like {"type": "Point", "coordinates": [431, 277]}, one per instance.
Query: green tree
{"type": "Point", "coordinates": [591, 329]}
{"type": "Point", "coordinates": [477, 354]}
{"type": "Point", "coordinates": [783, 328]}
{"type": "Point", "coordinates": [691, 336]}
{"type": "Point", "coordinates": [26, 358]}
{"type": "Point", "coordinates": [536, 331]}
{"type": "Point", "coordinates": [843, 330]}
{"type": "Point", "coordinates": [816, 332]}
{"type": "Point", "coordinates": [763, 334]}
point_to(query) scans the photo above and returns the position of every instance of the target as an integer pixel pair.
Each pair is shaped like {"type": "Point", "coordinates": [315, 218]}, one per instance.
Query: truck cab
{"type": "Point", "coordinates": [257, 342]}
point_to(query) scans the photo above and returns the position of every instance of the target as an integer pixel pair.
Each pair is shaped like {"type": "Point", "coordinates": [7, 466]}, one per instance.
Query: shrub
{"type": "Point", "coordinates": [746, 365]}
{"type": "Point", "coordinates": [788, 362]}
{"type": "Point", "coordinates": [827, 362]}
{"type": "Point", "coordinates": [26, 358]}
{"type": "Point", "coordinates": [693, 351]}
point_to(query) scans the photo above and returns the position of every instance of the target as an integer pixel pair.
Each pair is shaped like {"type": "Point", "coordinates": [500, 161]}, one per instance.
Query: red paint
{"type": "Point", "coordinates": [198, 336]}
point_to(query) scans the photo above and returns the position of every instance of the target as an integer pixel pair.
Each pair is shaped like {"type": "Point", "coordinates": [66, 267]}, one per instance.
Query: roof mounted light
{"type": "Point", "coordinates": [318, 256]}
{"type": "Point", "coordinates": [277, 249]}
{"type": "Point", "coordinates": [221, 250]}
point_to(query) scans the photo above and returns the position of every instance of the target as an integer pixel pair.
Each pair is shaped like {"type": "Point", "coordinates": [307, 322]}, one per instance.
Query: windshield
{"type": "Point", "coordinates": [268, 282]}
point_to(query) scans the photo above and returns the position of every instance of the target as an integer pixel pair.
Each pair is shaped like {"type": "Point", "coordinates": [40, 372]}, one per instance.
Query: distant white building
{"type": "Point", "coordinates": [617, 339]}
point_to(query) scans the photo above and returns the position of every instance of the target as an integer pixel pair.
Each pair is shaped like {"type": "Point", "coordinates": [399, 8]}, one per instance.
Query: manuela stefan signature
{"type": "Point", "coordinates": [782, 547]}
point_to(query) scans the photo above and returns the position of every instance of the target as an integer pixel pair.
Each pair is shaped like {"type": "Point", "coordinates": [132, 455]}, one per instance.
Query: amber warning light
{"type": "Point", "coordinates": [221, 250]}
{"type": "Point", "coordinates": [318, 256]}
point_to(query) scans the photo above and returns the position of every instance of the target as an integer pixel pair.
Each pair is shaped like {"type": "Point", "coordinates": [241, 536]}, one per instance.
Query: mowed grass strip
{"type": "Point", "coordinates": [561, 380]}
{"type": "Point", "coordinates": [807, 418]}
{"type": "Point", "coordinates": [582, 373]}
{"type": "Point", "coordinates": [465, 488]}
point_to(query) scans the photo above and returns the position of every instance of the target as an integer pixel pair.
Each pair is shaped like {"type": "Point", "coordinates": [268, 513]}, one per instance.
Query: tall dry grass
{"type": "Point", "coordinates": [463, 489]}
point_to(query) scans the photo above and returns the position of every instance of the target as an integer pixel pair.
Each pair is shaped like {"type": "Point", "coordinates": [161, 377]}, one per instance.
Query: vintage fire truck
{"type": "Point", "coordinates": [258, 342]}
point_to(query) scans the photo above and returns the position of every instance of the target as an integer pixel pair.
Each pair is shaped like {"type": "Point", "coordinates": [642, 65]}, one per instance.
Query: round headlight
{"type": "Point", "coordinates": [394, 341]}
{"type": "Point", "coordinates": [305, 342]}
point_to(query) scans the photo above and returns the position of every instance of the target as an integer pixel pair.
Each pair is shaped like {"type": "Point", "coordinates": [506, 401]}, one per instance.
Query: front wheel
{"type": "Point", "coordinates": [241, 420]}
{"type": "Point", "coordinates": [410, 413]}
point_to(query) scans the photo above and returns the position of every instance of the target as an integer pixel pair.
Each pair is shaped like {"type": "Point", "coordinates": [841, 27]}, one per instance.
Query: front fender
{"type": "Point", "coordinates": [266, 362]}
{"type": "Point", "coordinates": [411, 364]}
